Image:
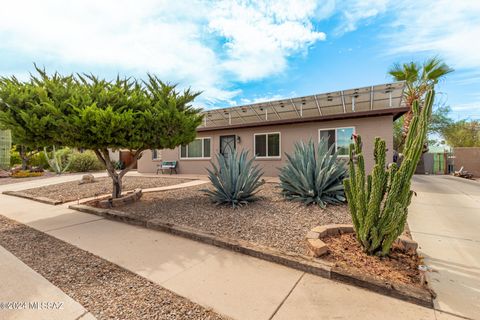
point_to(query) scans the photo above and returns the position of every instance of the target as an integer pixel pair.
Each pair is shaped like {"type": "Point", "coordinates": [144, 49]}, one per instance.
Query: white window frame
{"type": "Point", "coordinates": [203, 150]}
{"type": "Point", "coordinates": [266, 145]}
{"type": "Point", "coordinates": [159, 152]}
{"type": "Point", "coordinates": [336, 144]}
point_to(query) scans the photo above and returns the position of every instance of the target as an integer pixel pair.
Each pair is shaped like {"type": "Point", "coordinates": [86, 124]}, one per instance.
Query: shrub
{"type": "Point", "coordinates": [14, 158]}
{"type": "Point", "coordinates": [38, 160]}
{"type": "Point", "coordinates": [379, 203]}
{"type": "Point", "coordinates": [84, 162]}
{"type": "Point", "coordinates": [235, 180]}
{"type": "Point", "coordinates": [26, 174]}
{"type": "Point", "coordinates": [313, 175]}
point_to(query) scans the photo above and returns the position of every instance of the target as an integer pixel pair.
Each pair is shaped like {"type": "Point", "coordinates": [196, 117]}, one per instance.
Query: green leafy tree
{"type": "Point", "coordinates": [86, 112]}
{"type": "Point", "coordinates": [17, 114]}
{"type": "Point", "coordinates": [439, 121]}
{"type": "Point", "coordinates": [419, 78]}
{"type": "Point", "coordinates": [463, 133]}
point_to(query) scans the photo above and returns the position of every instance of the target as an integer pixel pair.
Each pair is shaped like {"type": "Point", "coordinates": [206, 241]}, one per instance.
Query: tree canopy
{"type": "Point", "coordinates": [463, 133]}
{"type": "Point", "coordinates": [84, 111]}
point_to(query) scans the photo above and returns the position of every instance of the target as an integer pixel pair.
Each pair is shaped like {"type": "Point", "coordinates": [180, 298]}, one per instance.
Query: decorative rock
{"type": "Point", "coordinates": [321, 230]}
{"type": "Point", "coordinates": [4, 174]}
{"type": "Point", "coordinates": [317, 247]}
{"type": "Point", "coordinates": [87, 178]}
{"type": "Point", "coordinates": [312, 235]}
{"type": "Point", "coordinates": [126, 199]}
{"type": "Point", "coordinates": [406, 244]}
{"type": "Point", "coordinates": [345, 228]}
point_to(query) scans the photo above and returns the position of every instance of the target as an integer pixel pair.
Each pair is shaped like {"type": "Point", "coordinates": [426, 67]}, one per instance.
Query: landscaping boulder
{"type": "Point", "coordinates": [406, 244]}
{"type": "Point", "coordinates": [87, 178]}
{"type": "Point", "coordinates": [4, 174]}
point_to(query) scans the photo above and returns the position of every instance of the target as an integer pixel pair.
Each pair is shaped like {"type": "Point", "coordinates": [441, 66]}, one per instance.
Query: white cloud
{"type": "Point", "coordinates": [261, 35]}
{"type": "Point", "coordinates": [354, 12]}
{"type": "Point", "coordinates": [471, 106]}
{"type": "Point", "coordinates": [207, 45]}
{"type": "Point", "coordinates": [265, 98]}
{"type": "Point", "coordinates": [448, 28]}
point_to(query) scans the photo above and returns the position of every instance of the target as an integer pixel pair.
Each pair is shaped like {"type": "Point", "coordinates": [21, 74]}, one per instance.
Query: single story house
{"type": "Point", "coordinates": [270, 129]}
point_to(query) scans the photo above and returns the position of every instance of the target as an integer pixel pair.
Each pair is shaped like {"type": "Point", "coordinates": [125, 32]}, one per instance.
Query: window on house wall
{"type": "Point", "coordinates": [197, 149]}
{"type": "Point", "coordinates": [339, 137]}
{"type": "Point", "coordinates": [156, 154]}
{"type": "Point", "coordinates": [267, 145]}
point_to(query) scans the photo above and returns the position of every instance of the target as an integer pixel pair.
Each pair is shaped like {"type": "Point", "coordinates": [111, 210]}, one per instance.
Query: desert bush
{"type": "Point", "coordinates": [15, 158]}
{"type": "Point", "coordinates": [235, 179]}
{"type": "Point", "coordinates": [313, 175]}
{"type": "Point", "coordinates": [37, 160]}
{"type": "Point", "coordinates": [26, 174]}
{"type": "Point", "coordinates": [84, 162]}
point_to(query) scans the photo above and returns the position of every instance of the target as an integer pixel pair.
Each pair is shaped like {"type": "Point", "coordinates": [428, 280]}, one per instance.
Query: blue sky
{"type": "Point", "coordinates": [242, 51]}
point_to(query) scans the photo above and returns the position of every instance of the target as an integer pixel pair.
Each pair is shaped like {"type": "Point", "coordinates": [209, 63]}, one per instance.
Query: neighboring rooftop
{"type": "Point", "coordinates": [360, 102]}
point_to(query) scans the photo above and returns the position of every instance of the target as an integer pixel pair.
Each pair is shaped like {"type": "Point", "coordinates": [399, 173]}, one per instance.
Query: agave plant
{"type": "Point", "coordinates": [313, 175]}
{"type": "Point", "coordinates": [235, 180]}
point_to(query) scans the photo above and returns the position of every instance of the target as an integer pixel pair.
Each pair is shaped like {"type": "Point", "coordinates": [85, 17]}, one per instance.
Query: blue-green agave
{"type": "Point", "coordinates": [313, 175]}
{"type": "Point", "coordinates": [235, 179]}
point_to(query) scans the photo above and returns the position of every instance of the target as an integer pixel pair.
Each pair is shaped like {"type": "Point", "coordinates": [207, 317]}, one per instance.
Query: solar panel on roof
{"type": "Point", "coordinates": [377, 97]}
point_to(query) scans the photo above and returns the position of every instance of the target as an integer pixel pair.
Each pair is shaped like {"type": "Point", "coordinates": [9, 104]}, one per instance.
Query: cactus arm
{"type": "Point", "coordinates": [379, 207]}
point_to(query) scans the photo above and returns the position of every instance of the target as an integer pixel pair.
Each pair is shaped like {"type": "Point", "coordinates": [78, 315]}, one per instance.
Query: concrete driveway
{"type": "Point", "coordinates": [445, 220]}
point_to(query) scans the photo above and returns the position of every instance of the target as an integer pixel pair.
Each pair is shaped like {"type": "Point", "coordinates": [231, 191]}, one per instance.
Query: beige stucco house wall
{"type": "Point", "coordinates": [468, 158]}
{"type": "Point", "coordinates": [367, 127]}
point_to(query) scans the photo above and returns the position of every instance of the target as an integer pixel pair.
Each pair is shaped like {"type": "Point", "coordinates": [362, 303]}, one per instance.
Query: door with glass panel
{"type": "Point", "coordinates": [227, 145]}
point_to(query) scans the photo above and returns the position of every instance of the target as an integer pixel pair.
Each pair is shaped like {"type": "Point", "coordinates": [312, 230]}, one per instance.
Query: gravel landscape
{"type": "Point", "coordinates": [71, 191]}
{"type": "Point", "coordinates": [270, 221]}
{"type": "Point", "coordinates": [398, 267]}
{"type": "Point", "coordinates": [103, 288]}
{"type": "Point", "coordinates": [10, 180]}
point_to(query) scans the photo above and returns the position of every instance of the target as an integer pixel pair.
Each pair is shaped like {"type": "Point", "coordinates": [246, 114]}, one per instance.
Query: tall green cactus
{"type": "Point", "coordinates": [379, 202]}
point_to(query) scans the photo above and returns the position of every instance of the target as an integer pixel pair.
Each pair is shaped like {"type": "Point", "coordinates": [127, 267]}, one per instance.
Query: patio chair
{"type": "Point", "coordinates": [167, 165]}
{"type": "Point", "coordinates": [463, 174]}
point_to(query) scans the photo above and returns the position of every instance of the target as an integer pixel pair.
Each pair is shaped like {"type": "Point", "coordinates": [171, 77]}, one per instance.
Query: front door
{"type": "Point", "coordinates": [227, 145]}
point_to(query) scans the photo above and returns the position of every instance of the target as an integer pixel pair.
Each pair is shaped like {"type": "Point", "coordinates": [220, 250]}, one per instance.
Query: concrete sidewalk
{"type": "Point", "coordinates": [235, 285]}
{"type": "Point", "coordinates": [25, 288]}
{"type": "Point", "coordinates": [444, 219]}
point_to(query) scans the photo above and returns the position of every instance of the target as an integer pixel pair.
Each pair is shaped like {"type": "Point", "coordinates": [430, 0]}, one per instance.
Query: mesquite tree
{"type": "Point", "coordinates": [379, 202]}
{"type": "Point", "coordinates": [83, 111]}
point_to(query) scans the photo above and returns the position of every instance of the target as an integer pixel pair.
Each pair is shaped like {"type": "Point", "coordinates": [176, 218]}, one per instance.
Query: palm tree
{"type": "Point", "coordinates": [419, 79]}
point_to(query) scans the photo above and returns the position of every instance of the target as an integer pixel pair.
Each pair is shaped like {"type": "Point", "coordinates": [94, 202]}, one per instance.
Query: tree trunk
{"type": "Point", "coordinates": [104, 156]}
{"type": "Point", "coordinates": [407, 118]}
{"type": "Point", "coordinates": [117, 187]}
{"type": "Point", "coordinates": [24, 157]}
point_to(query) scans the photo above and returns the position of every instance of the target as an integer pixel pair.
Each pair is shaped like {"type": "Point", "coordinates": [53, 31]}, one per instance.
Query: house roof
{"type": "Point", "coordinates": [384, 99]}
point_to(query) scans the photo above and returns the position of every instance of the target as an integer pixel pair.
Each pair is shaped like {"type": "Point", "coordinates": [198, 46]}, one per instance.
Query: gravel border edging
{"type": "Point", "coordinates": [304, 263]}
{"type": "Point", "coordinates": [25, 195]}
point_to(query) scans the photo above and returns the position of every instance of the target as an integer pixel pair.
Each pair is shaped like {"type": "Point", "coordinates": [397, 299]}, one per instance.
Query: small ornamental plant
{"type": "Point", "coordinates": [235, 179]}
{"type": "Point", "coordinates": [313, 175]}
